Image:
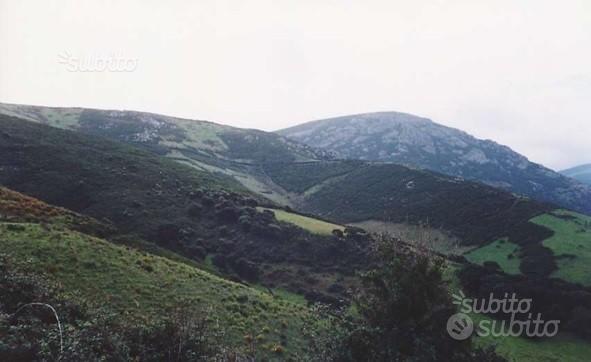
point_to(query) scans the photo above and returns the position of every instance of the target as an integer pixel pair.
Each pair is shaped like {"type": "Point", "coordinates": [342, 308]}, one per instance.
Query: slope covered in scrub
{"type": "Point", "coordinates": [198, 214]}
{"type": "Point", "coordinates": [139, 287]}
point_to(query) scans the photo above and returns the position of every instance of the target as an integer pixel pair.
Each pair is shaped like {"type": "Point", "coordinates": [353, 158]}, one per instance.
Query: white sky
{"type": "Point", "coordinates": [515, 71]}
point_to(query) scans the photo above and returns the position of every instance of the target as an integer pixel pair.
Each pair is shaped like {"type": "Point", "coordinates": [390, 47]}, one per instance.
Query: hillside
{"type": "Point", "coordinates": [421, 143]}
{"type": "Point", "coordinates": [203, 145]}
{"type": "Point", "coordinates": [284, 171]}
{"type": "Point", "coordinates": [581, 173]}
{"type": "Point", "coordinates": [357, 191]}
{"type": "Point", "coordinates": [176, 207]}
{"type": "Point", "coordinates": [182, 209]}
{"type": "Point", "coordinates": [475, 215]}
{"type": "Point", "coordinates": [342, 191]}
{"type": "Point", "coordinates": [166, 208]}
{"type": "Point", "coordinates": [137, 288]}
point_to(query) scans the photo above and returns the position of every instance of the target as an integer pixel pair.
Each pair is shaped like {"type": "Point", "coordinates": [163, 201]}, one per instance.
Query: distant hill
{"type": "Point", "coordinates": [421, 143]}
{"type": "Point", "coordinates": [581, 173]}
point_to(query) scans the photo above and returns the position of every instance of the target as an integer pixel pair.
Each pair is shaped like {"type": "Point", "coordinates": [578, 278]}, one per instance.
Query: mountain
{"type": "Point", "coordinates": [581, 173]}
{"type": "Point", "coordinates": [421, 143]}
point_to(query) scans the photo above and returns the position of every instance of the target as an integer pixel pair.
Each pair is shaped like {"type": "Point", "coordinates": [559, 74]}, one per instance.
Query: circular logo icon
{"type": "Point", "coordinates": [460, 326]}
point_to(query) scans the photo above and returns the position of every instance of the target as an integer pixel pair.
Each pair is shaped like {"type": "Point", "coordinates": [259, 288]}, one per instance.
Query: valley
{"type": "Point", "coordinates": [152, 212]}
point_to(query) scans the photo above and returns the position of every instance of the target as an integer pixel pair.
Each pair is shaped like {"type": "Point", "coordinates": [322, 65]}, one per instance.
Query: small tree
{"type": "Point", "coordinates": [404, 304]}
{"type": "Point", "coordinates": [401, 312]}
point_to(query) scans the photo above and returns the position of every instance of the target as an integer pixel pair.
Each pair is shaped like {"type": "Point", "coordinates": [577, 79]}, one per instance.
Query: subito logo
{"type": "Point", "coordinates": [460, 326]}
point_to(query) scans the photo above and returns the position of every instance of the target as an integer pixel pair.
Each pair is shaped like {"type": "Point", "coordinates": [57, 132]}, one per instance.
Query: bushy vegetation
{"type": "Point", "coordinates": [564, 346]}
{"type": "Point", "coordinates": [551, 246]}
{"type": "Point", "coordinates": [394, 193]}
{"type": "Point", "coordinates": [299, 177]}
{"type": "Point", "coordinates": [131, 304]}
{"type": "Point", "coordinates": [174, 207]}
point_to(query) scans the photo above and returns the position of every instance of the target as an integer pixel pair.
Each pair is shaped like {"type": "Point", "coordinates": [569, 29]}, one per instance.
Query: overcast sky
{"type": "Point", "coordinates": [517, 72]}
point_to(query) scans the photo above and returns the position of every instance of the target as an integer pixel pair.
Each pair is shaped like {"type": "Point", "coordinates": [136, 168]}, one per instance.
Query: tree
{"type": "Point", "coordinates": [401, 311]}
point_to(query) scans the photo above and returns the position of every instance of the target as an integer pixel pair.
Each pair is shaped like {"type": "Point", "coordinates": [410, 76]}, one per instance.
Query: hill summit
{"type": "Point", "coordinates": [421, 143]}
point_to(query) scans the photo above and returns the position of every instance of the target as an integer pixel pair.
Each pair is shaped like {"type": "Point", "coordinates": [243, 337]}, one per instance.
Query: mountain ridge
{"type": "Point", "coordinates": [421, 143]}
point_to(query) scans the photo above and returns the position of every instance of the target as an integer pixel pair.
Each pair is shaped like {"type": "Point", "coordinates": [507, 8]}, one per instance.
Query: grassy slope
{"type": "Point", "coordinates": [312, 225]}
{"type": "Point", "coordinates": [500, 251]}
{"type": "Point", "coordinates": [142, 286]}
{"type": "Point", "coordinates": [167, 134]}
{"type": "Point", "coordinates": [562, 348]}
{"type": "Point", "coordinates": [571, 244]}
{"type": "Point", "coordinates": [39, 238]}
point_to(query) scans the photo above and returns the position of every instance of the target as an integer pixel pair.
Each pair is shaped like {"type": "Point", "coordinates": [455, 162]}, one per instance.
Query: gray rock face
{"type": "Point", "coordinates": [421, 143]}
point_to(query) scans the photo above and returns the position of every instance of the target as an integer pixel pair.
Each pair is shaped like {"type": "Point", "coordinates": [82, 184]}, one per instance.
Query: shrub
{"type": "Point", "coordinates": [194, 210]}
